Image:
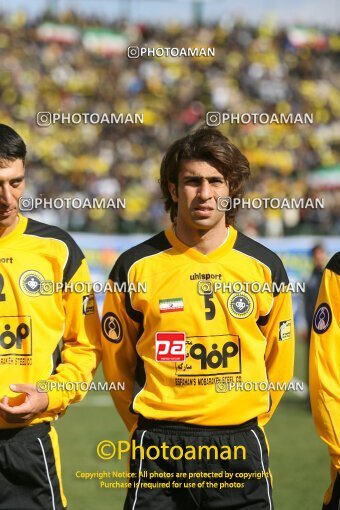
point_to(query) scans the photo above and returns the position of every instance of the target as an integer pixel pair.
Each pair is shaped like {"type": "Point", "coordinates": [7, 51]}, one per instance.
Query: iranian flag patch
{"type": "Point", "coordinates": [171, 305]}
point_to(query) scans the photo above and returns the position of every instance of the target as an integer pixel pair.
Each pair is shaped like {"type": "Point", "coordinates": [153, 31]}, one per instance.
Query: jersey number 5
{"type": "Point", "coordinates": [209, 306]}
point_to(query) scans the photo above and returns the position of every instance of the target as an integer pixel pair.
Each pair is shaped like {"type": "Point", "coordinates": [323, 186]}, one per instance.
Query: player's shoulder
{"type": "Point", "coordinates": [334, 263]}
{"type": "Point", "coordinates": [148, 248]}
{"type": "Point", "coordinates": [261, 253]}
{"type": "Point", "coordinates": [43, 230]}
{"type": "Point", "coordinates": [70, 258]}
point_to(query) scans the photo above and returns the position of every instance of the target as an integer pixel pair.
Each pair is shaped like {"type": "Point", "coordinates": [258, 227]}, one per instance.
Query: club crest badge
{"type": "Point", "coordinates": [30, 283]}
{"type": "Point", "coordinates": [240, 305]}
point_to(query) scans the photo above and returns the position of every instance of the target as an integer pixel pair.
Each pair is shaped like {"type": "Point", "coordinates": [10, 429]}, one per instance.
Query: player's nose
{"type": "Point", "coordinates": [5, 194]}
{"type": "Point", "coordinates": [204, 190]}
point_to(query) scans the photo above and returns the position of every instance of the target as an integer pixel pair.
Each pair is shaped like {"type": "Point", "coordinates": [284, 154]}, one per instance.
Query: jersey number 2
{"type": "Point", "coordinates": [2, 282]}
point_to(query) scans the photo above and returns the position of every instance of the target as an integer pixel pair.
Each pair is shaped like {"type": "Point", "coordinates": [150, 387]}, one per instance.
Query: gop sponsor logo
{"type": "Point", "coordinates": [214, 358]}
{"type": "Point", "coordinates": [15, 335]}
{"type": "Point", "coordinates": [170, 346]}
{"type": "Point", "coordinates": [211, 355]}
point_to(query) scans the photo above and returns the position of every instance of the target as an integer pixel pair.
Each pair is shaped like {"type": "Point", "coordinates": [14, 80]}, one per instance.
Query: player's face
{"type": "Point", "coordinates": [11, 189]}
{"type": "Point", "coordinates": [320, 258]}
{"type": "Point", "coordinates": [199, 187]}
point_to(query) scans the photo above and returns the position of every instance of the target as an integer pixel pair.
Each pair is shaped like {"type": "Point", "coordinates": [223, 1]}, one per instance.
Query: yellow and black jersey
{"type": "Point", "coordinates": [37, 311]}
{"type": "Point", "coordinates": [324, 368]}
{"type": "Point", "coordinates": [189, 347]}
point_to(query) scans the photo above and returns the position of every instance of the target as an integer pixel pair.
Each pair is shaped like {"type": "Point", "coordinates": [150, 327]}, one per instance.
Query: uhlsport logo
{"type": "Point", "coordinates": [240, 305]}
{"type": "Point", "coordinates": [30, 283]}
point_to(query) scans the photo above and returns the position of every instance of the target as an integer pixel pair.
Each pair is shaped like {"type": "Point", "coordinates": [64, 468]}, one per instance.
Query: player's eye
{"type": "Point", "coordinates": [217, 181]}
{"type": "Point", "coordinates": [16, 184]}
{"type": "Point", "coordinates": [193, 181]}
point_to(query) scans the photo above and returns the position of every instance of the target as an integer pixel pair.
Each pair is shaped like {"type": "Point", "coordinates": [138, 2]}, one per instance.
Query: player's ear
{"type": "Point", "coordinates": [173, 191]}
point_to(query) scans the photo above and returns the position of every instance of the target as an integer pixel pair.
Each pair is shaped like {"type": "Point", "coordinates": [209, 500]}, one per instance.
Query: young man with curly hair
{"type": "Point", "coordinates": [195, 348]}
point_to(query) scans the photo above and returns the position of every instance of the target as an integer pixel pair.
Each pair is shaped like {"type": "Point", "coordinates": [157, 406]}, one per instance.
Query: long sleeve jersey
{"type": "Point", "coordinates": [48, 331]}
{"type": "Point", "coordinates": [183, 340]}
{"type": "Point", "coordinates": [324, 365]}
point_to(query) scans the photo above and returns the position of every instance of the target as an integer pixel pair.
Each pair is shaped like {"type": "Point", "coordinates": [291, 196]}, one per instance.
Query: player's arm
{"type": "Point", "coordinates": [80, 353]}
{"type": "Point", "coordinates": [81, 349]}
{"type": "Point", "coordinates": [121, 328]}
{"type": "Point", "coordinates": [278, 328]}
{"type": "Point", "coordinates": [324, 363]}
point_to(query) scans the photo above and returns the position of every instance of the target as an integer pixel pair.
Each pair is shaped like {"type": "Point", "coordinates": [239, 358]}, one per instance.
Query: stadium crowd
{"type": "Point", "coordinates": [72, 64]}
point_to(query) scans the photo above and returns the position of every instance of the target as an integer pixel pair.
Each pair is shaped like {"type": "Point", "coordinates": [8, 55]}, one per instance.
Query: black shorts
{"type": "Point", "coordinates": [334, 503]}
{"type": "Point", "coordinates": [30, 469]}
{"type": "Point", "coordinates": [183, 477]}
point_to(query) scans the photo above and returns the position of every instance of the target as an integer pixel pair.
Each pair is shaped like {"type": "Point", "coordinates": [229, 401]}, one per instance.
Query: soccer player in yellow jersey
{"type": "Point", "coordinates": [203, 352]}
{"type": "Point", "coordinates": [324, 373]}
{"type": "Point", "coordinates": [33, 321]}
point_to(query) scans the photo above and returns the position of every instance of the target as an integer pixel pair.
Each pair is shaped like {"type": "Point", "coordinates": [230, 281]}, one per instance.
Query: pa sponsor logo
{"type": "Point", "coordinates": [240, 305]}
{"type": "Point", "coordinates": [112, 328]}
{"type": "Point", "coordinates": [15, 335]}
{"type": "Point", "coordinates": [170, 346]}
{"type": "Point", "coordinates": [322, 318]}
{"type": "Point", "coordinates": [30, 283]}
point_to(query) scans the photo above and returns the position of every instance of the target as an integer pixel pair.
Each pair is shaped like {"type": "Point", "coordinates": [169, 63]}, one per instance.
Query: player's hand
{"type": "Point", "coordinates": [35, 403]}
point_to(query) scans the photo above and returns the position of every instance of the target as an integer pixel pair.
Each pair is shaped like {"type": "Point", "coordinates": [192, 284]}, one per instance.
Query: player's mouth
{"type": "Point", "coordinates": [5, 212]}
{"type": "Point", "coordinates": [203, 211]}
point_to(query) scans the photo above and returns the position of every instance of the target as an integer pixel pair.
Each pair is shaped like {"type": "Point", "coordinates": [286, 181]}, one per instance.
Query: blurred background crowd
{"type": "Point", "coordinates": [68, 63]}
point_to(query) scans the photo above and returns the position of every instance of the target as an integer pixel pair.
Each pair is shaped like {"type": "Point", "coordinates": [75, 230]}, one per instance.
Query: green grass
{"type": "Point", "coordinates": [79, 434]}
{"type": "Point", "coordinates": [299, 460]}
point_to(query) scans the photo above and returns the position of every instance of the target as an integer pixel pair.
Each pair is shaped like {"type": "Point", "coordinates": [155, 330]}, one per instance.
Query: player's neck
{"type": "Point", "coordinates": [204, 241]}
{"type": "Point", "coordinates": [4, 231]}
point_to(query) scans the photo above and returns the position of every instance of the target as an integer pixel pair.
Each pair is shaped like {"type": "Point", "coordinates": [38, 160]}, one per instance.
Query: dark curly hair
{"type": "Point", "coordinates": [12, 146]}
{"type": "Point", "coordinates": [209, 145]}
